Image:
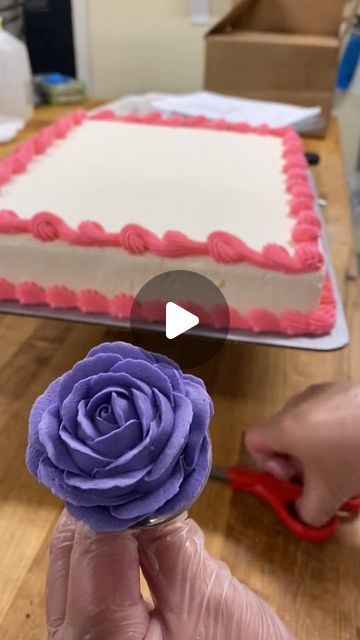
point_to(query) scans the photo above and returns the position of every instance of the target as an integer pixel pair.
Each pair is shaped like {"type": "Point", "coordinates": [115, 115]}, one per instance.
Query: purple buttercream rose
{"type": "Point", "coordinates": [122, 436]}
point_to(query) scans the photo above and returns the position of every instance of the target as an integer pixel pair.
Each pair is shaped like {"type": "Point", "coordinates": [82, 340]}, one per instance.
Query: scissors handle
{"type": "Point", "coordinates": [281, 496]}
{"type": "Point", "coordinates": [352, 505]}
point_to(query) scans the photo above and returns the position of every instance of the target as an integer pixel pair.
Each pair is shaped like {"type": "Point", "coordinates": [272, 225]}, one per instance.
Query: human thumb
{"type": "Point", "coordinates": [319, 502]}
{"type": "Point", "coordinates": [196, 595]}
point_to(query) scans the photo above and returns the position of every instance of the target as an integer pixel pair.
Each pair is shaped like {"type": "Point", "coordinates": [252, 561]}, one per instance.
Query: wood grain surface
{"type": "Point", "coordinates": [314, 588]}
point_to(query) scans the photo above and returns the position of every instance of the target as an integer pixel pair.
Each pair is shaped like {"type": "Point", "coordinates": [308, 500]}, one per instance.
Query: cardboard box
{"type": "Point", "coordinates": [269, 49]}
{"type": "Point", "coordinates": [321, 17]}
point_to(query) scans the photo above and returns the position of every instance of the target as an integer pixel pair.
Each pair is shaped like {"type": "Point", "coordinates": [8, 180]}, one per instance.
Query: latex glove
{"type": "Point", "coordinates": [316, 435]}
{"type": "Point", "coordinates": [93, 590]}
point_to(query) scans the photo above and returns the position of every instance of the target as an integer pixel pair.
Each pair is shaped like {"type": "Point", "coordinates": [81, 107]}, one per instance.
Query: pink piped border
{"type": "Point", "coordinates": [222, 247]}
{"type": "Point", "coordinates": [318, 322]}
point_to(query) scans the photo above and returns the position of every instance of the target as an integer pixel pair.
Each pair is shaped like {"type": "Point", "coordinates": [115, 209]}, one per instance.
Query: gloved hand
{"type": "Point", "coordinates": [93, 590]}
{"type": "Point", "coordinates": [317, 436]}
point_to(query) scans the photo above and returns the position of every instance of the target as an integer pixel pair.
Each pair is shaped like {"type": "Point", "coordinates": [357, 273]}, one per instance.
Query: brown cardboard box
{"type": "Point", "coordinates": [321, 17]}
{"type": "Point", "coordinates": [245, 56]}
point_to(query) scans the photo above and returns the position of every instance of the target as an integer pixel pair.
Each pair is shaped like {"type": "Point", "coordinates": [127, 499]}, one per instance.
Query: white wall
{"type": "Point", "coordinates": [146, 45]}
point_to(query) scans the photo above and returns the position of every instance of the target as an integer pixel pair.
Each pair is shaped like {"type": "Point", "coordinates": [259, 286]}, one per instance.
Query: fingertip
{"type": "Point", "coordinates": [309, 516]}
{"type": "Point", "coordinates": [318, 505]}
{"type": "Point", "coordinates": [256, 443]}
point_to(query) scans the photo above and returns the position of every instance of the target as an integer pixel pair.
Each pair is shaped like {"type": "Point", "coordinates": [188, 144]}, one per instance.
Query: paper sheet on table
{"type": "Point", "coordinates": [9, 128]}
{"type": "Point", "coordinates": [254, 112]}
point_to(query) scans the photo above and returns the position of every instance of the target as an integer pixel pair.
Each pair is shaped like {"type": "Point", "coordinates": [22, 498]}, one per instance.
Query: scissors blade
{"type": "Point", "coordinates": [219, 473]}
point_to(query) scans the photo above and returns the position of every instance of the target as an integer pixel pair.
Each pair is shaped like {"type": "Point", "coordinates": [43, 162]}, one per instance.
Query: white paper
{"type": "Point", "coordinates": [254, 112]}
{"type": "Point", "coordinates": [9, 127]}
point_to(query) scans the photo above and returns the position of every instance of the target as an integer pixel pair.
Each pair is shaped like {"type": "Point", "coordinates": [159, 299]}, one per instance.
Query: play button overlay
{"type": "Point", "coordinates": [182, 315]}
{"type": "Point", "coordinates": [178, 320]}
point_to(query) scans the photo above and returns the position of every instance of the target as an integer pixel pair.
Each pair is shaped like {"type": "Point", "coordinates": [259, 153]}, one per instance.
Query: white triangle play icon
{"type": "Point", "coordinates": [178, 320]}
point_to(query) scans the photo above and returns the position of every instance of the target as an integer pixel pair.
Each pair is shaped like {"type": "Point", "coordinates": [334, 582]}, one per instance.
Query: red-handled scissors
{"type": "Point", "coordinates": [281, 496]}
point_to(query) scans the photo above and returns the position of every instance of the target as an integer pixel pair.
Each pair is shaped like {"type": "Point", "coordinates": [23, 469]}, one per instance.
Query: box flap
{"type": "Point", "coordinates": [227, 22]}
{"type": "Point", "coordinates": [320, 17]}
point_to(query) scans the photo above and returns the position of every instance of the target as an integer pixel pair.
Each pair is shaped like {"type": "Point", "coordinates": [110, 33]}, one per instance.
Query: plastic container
{"type": "Point", "coordinates": [16, 96]}
{"type": "Point", "coordinates": [350, 58]}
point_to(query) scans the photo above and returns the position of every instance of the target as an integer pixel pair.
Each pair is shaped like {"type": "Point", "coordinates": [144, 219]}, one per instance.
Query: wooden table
{"type": "Point", "coordinates": [314, 588]}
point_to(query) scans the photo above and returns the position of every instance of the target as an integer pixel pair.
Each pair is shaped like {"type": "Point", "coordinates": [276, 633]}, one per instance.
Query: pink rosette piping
{"type": "Point", "coordinates": [10, 223]}
{"type": "Point", "coordinates": [7, 290]}
{"type": "Point", "coordinates": [303, 232]}
{"type": "Point", "coordinates": [92, 301]}
{"type": "Point", "coordinates": [48, 227]}
{"type": "Point", "coordinates": [318, 322]}
{"type": "Point", "coordinates": [121, 305]}
{"type": "Point", "coordinates": [309, 256]}
{"type": "Point", "coordinates": [30, 293]}
{"type": "Point", "coordinates": [6, 172]}
{"type": "Point", "coordinates": [61, 297]}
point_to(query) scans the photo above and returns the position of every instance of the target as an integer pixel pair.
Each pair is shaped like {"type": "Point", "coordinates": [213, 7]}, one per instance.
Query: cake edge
{"type": "Point", "coordinates": [221, 246]}
{"type": "Point", "coordinates": [318, 322]}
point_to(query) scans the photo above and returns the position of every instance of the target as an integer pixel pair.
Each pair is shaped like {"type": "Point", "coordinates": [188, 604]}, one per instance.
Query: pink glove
{"type": "Point", "coordinates": [93, 589]}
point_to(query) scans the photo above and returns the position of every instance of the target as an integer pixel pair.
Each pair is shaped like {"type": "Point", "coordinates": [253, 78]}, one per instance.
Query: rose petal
{"type": "Point", "coordinates": [100, 518]}
{"type": "Point", "coordinates": [192, 486]}
{"type": "Point", "coordinates": [174, 376]}
{"type": "Point", "coordinates": [104, 426]}
{"type": "Point", "coordinates": [85, 429]}
{"type": "Point", "coordinates": [198, 381]}
{"type": "Point", "coordinates": [33, 458]}
{"type": "Point", "coordinates": [165, 421]}
{"type": "Point", "coordinates": [70, 407]}
{"type": "Point", "coordinates": [146, 373]}
{"type": "Point", "coordinates": [149, 503]}
{"type": "Point", "coordinates": [120, 441]}
{"type": "Point", "coordinates": [113, 486]}
{"type": "Point", "coordinates": [104, 397]}
{"type": "Point", "coordinates": [41, 404]}
{"type": "Point", "coordinates": [175, 444]}
{"type": "Point", "coordinates": [203, 411]}
{"type": "Point", "coordinates": [49, 435]}
{"type": "Point", "coordinates": [145, 410]}
{"type": "Point", "coordinates": [117, 382]}
{"type": "Point", "coordinates": [145, 454]}
{"type": "Point", "coordinates": [82, 370]}
{"type": "Point", "coordinates": [58, 482]}
{"type": "Point", "coordinates": [90, 387]}
{"type": "Point", "coordinates": [86, 459]}
{"type": "Point", "coordinates": [122, 350]}
{"type": "Point", "coordinates": [123, 408]}
{"type": "Point", "coordinates": [105, 418]}
{"type": "Point", "coordinates": [164, 360]}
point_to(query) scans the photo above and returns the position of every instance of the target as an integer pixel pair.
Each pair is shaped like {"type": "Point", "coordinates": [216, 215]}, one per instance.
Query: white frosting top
{"type": "Point", "coordinates": [163, 178]}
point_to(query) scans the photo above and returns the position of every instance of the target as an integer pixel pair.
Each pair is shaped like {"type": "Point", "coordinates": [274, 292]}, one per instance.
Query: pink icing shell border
{"type": "Point", "coordinates": [318, 322]}
{"type": "Point", "coordinates": [222, 247]}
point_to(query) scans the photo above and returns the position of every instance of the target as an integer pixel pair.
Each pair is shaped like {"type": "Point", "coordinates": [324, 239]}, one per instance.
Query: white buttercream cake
{"type": "Point", "coordinates": [92, 208]}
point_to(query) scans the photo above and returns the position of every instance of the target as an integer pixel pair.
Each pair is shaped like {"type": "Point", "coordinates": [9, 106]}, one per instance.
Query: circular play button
{"type": "Point", "coordinates": [181, 314]}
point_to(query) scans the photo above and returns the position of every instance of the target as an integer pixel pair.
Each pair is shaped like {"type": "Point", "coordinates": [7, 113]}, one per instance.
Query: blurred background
{"type": "Point", "coordinates": [119, 47]}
